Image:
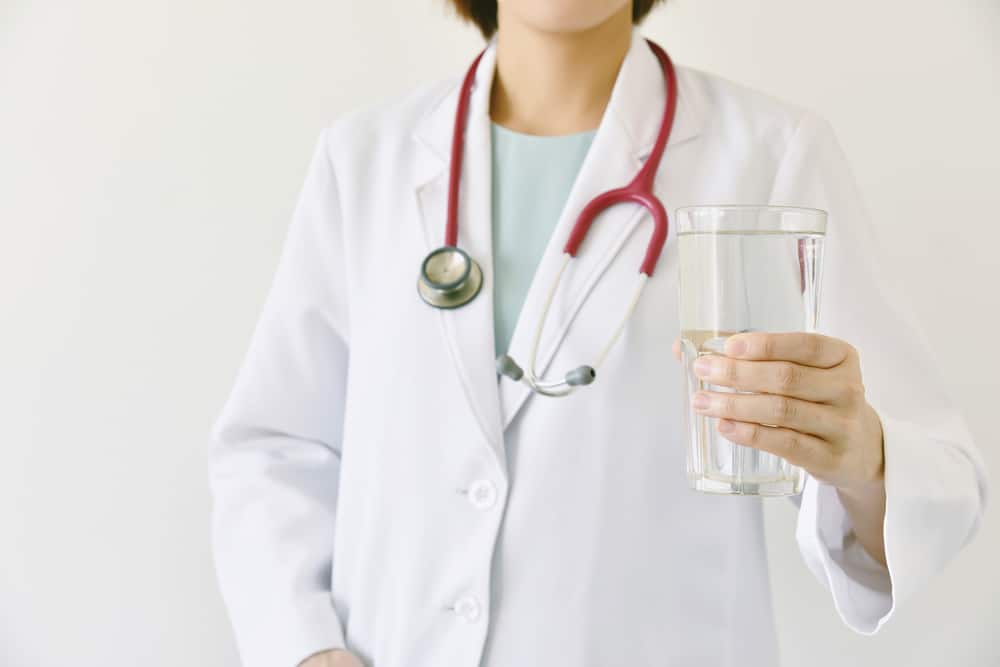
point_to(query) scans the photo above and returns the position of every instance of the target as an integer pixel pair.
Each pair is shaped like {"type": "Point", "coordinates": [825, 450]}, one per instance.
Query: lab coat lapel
{"type": "Point", "coordinates": [623, 139]}
{"type": "Point", "coordinates": [467, 330]}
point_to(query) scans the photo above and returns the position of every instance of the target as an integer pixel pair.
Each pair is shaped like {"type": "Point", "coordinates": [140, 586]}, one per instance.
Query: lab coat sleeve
{"type": "Point", "coordinates": [935, 479]}
{"type": "Point", "coordinates": [275, 448]}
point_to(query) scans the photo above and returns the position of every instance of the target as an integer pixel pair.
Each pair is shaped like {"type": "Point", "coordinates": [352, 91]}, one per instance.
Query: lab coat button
{"type": "Point", "coordinates": [482, 494]}
{"type": "Point", "coordinates": [467, 608]}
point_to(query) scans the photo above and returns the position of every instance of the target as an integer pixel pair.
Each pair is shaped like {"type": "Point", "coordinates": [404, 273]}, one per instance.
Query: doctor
{"type": "Point", "coordinates": [383, 497]}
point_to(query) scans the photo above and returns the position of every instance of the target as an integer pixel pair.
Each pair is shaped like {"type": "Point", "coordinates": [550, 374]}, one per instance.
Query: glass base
{"type": "Point", "coordinates": [777, 487]}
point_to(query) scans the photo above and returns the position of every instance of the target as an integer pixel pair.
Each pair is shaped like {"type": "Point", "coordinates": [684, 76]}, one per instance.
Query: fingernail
{"type": "Point", "coordinates": [700, 401]}
{"type": "Point", "coordinates": [702, 366]}
{"type": "Point", "coordinates": [735, 347]}
{"type": "Point", "coordinates": [726, 426]}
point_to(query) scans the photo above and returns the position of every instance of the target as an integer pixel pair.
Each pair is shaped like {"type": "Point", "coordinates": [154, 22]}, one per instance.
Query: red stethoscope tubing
{"type": "Point", "coordinates": [457, 143]}
{"type": "Point", "coordinates": [639, 190]}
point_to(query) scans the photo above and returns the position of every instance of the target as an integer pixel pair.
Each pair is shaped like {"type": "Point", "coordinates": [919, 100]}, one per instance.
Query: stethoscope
{"type": "Point", "coordinates": [449, 278]}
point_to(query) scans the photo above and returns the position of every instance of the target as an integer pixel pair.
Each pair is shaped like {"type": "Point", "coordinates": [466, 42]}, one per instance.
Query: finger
{"type": "Point", "coordinates": [774, 377]}
{"type": "Point", "coordinates": [809, 349]}
{"type": "Point", "coordinates": [676, 349]}
{"type": "Point", "coordinates": [771, 410]}
{"type": "Point", "coordinates": [801, 449]}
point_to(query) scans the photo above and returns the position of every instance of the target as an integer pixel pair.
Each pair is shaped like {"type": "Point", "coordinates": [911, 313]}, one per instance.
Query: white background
{"type": "Point", "coordinates": [150, 154]}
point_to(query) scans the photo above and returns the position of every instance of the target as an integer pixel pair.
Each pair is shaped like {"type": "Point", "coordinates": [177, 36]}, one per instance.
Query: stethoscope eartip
{"type": "Point", "coordinates": [507, 366]}
{"type": "Point", "coordinates": [582, 375]}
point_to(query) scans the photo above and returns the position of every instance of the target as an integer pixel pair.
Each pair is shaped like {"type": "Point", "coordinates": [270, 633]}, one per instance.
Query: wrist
{"type": "Point", "coordinates": [867, 482]}
{"type": "Point", "coordinates": [336, 657]}
{"type": "Point", "coordinates": [863, 493]}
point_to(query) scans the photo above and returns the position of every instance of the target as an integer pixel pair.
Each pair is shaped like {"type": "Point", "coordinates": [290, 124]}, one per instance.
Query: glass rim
{"type": "Point", "coordinates": [813, 220]}
{"type": "Point", "coordinates": [780, 207]}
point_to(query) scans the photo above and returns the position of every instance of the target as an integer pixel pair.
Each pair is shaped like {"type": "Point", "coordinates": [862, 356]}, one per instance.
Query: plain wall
{"type": "Point", "coordinates": [150, 155]}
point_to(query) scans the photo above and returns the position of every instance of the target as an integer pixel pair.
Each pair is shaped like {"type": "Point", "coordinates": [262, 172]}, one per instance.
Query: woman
{"type": "Point", "coordinates": [383, 498]}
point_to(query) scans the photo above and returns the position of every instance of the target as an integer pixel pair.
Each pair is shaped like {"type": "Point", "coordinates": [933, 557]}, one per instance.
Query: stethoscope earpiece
{"type": "Point", "coordinates": [508, 367]}
{"type": "Point", "coordinates": [580, 376]}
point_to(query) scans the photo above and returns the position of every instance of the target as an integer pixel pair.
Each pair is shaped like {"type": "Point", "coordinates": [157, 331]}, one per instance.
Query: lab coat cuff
{"type": "Point", "coordinates": [284, 636]}
{"type": "Point", "coordinates": [933, 503]}
{"type": "Point", "coordinates": [933, 506]}
{"type": "Point", "coordinates": [860, 585]}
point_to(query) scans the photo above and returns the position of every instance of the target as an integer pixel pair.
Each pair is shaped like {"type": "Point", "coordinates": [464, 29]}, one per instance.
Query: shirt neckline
{"type": "Point", "coordinates": [542, 137]}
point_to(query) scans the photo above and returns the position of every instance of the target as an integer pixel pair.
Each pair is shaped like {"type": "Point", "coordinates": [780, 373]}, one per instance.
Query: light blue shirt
{"type": "Point", "coordinates": [532, 177]}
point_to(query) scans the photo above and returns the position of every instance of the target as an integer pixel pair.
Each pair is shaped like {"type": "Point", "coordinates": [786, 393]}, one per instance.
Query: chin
{"type": "Point", "coordinates": [565, 16]}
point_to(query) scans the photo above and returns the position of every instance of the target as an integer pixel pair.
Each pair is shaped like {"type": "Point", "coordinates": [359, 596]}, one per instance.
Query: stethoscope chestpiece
{"type": "Point", "coordinates": [449, 278]}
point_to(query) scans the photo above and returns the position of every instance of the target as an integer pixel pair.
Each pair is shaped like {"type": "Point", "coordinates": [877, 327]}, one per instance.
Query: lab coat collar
{"type": "Point", "coordinates": [626, 134]}
{"type": "Point", "coordinates": [630, 103]}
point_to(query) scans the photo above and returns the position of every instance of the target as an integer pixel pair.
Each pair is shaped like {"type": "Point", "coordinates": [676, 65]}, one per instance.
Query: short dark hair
{"type": "Point", "coordinates": [484, 12]}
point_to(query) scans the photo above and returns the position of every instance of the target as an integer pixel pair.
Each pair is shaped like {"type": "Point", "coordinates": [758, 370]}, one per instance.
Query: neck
{"type": "Point", "coordinates": [550, 83]}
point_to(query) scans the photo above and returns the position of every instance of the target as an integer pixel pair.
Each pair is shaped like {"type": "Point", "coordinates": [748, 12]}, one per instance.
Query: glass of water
{"type": "Point", "coordinates": [742, 268]}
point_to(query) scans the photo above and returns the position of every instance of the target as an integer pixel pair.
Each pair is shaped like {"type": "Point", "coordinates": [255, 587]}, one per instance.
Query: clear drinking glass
{"type": "Point", "coordinates": [742, 268]}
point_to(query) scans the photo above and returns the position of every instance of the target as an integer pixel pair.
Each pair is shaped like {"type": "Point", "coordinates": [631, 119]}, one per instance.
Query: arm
{"type": "Point", "coordinates": [934, 479]}
{"type": "Point", "coordinates": [275, 447]}
{"type": "Point", "coordinates": [896, 486]}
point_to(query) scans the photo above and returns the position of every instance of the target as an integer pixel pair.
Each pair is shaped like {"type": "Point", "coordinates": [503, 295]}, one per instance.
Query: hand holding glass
{"type": "Point", "coordinates": [742, 268]}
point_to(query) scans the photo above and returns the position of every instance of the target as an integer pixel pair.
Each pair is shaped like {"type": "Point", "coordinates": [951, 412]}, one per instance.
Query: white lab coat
{"type": "Point", "coordinates": [376, 486]}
